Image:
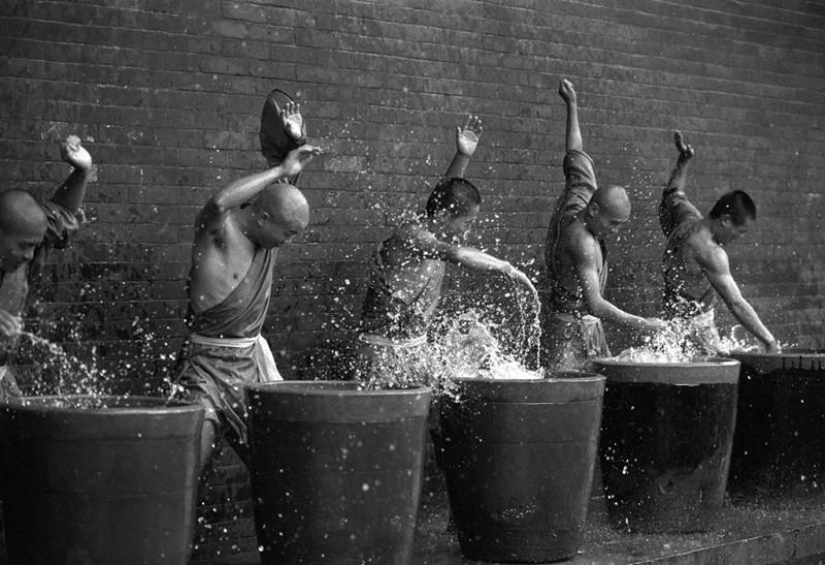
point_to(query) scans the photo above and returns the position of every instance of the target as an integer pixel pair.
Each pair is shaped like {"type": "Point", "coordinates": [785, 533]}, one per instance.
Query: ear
{"type": "Point", "coordinates": [593, 209]}
{"type": "Point", "coordinates": [263, 217]}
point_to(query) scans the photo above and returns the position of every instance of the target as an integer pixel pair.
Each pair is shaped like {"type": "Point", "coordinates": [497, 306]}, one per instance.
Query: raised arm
{"type": "Point", "coordinates": [244, 189]}
{"type": "Point", "coordinates": [70, 194]}
{"type": "Point", "coordinates": [585, 258]}
{"type": "Point", "coordinates": [717, 270]}
{"type": "Point", "coordinates": [675, 207]}
{"type": "Point", "coordinates": [573, 134]}
{"type": "Point", "coordinates": [466, 142]}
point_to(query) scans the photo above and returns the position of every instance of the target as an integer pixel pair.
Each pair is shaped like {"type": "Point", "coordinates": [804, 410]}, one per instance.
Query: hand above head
{"type": "Point", "coordinates": [685, 151]}
{"type": "Point", "coordinates": [466, 138]}
{"type": "Point", "coordinates": [293, 121]}
{"type": "Point", "coordinates": [297, 158]}
{"type": "Point", "coordinates": [75, 154]}
{"type": "Point", "coordinates": [10, 325]}
{"type": "Point", "coordinates": [567, 92]}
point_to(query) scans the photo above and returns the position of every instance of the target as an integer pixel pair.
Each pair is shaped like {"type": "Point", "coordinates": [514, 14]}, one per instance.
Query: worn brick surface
{"type": "Point", "coordinates": [167, 95]}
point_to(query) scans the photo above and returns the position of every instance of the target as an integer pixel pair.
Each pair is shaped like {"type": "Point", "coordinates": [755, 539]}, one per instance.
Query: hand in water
{"type": "Point", "coordinates": [567, 92]}
{"type": "Point", "coordinates": [773, 348]}
{"type": "Point", "coordinates": [466, 138]}
{"type": "Point", "coordinates": [297, 158]}
{"type": "Point", "coordinates": [685, 151]}
{"type": "Point", "coordinates": [10, 326]}
{"type": "Point", "coordinates": [74, 153]}
{"type": "Point", "coordinates": [656, 325]}
{"type": "Point", "coordinates": [293, 121]}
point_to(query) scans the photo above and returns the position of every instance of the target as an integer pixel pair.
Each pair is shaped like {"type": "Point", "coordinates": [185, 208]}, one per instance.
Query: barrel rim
{"type": "Point", "coordinates": [708, 362]}
{"type": "Point", "coordinates": [331, 388]}
{"type": "Point", "coordinates": [176, 406]}
{"type": "Point", "coordinates": [791, 353]}
{"type": "Point", "coordinates": [580, 377]}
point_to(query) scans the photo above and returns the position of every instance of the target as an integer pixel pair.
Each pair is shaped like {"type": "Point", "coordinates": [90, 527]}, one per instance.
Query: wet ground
{"type": "Point", "coordinates": [751, 530]}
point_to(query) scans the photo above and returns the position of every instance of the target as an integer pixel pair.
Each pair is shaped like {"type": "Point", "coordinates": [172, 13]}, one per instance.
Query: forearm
{"type": "Point", "coordinates": [749, 319]}
{"type": "Point", "coordinates": [480, 261]}
{"type": "Point", "coordinates": [573, 134]}
{"type": "Point", "coordinates": [678, 176]}
{"type": "Point", "coordinates": [458, 166]}
{"type": "Point", "coordinates": [70, 194]}
{"type": "Point", "coordinates": [244, 189]}
{"type": "Point", "coordinates": [608, 312]}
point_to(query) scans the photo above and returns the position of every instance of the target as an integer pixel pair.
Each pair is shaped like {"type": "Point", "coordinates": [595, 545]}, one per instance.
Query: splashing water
{"type": "Point", "coordinates": [56, 372]}
{"type": "Point", "coordinates": [685, 341]}
{"type": "Point", "coordinates": [470, 349]}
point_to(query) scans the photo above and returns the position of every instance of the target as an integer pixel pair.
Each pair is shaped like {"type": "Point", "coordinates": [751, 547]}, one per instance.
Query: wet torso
{"type": "Point", "coordinates": [229, 287]}
{"type": "Point", "coordinates": [403, 292]}
{"type": "Point", "coordinates": [687, 290]}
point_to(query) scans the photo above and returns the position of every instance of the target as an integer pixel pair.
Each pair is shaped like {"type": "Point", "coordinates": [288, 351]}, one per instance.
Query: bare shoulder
{"type": "Point", "coordinates": [580, 243]}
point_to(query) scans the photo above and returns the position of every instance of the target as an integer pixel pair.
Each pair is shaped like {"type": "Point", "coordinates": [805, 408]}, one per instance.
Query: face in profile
{"type": "Point", "coordinates": [18, 248]}
{"type": "Point", "coordinates": [729, 231]}
{"type": "Point", "coordinates": [276, 233]}
{"type": "Point", "coordinates": [456, 228]}
{"type": "Point", "coordinates": [606, 221]}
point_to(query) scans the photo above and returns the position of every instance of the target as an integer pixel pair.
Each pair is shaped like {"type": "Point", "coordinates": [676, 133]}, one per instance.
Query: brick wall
{"type": "Point", "coordinates": [167, 95]}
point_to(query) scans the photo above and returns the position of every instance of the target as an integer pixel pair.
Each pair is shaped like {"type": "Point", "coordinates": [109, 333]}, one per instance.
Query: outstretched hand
{"type": "Point", "coordinates": [293, 121]}
{"type": "Point", "coordinates": [10, 325]}
{"type": "Point", "coordinates": [567, 92]}
{"type": "Point", "coordinates": [466, 138]}
{"type": "Point", "coordinates": [75, 154]}
{"type": "Point", "coordinates": [655, 325]}
{"type": "Point", "coordinates": [685, 151]}
{"type": "Point", "coordinates": [298, 158]}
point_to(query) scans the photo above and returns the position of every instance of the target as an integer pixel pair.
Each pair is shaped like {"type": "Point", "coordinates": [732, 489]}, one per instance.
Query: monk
{"type": "Point", "coordinates": [576, 258]}
{"type": "Point", "coordinates": [407, 272]}
{"type": "Point", "coordinates": [237, 236]}
{"type": "Point", "coordinates": [695, 264]}
{"type": "Point", "coordinates": [28, 230]}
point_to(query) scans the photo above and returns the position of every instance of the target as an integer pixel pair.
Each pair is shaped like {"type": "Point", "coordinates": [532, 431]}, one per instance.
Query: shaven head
{"type": "Point", "coordinates": [20, 214]}
{"type": "Point", "coordinates": [23, 225]}
{"type": "Point", "coordinates": [608, 209]}
{"type": "Point", "coordinates": [281, 211]}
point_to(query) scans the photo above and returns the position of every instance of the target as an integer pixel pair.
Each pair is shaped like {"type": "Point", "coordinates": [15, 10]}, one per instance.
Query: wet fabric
{"type": "Point", "coordinates": [570, 340]}
{"type": "Point", "coordinates": [401, 300]}
{"type": "Point", "coordinates": [9, 390]}
{"type": "Point", "coordinates": [392, 363]}
{"type": "Point", "coordinates": [580, 185]}
{"type": "Point", "coordinates": [679, 220]}
{"type": "Point", "coordinates": [226, 350]}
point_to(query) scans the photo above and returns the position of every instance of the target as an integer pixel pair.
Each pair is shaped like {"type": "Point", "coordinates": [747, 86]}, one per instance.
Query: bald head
{"type": "Point", "coordinates": [608, 210]}
{"type": "Point", "coordinates": [20, 214]}
{"type": "Point", "coordinates": [283, 203]}
{"type": "Point", "coordinates": [280, 212]}
{"type": "Point", "coordinates": [612, 200]}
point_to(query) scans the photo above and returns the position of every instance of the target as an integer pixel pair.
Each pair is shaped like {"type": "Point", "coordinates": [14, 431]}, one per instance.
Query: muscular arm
{"type": "Point", "coordinates": [466, 141]}
{"type": "Point", "coordinates": [586, 258]}
{"type": "Point", "coordinates": [70, 193]}
{"type": "Point", "coordinates": [425, 244]}
{"type": "Point", "coordinates": [717, 269]}
{"type": "Point", "coordinates": [573, 134]}
{"type": "Point", "coordinates": [675, 207]}
{"type": "Point", "coordinates": [244, 189]}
